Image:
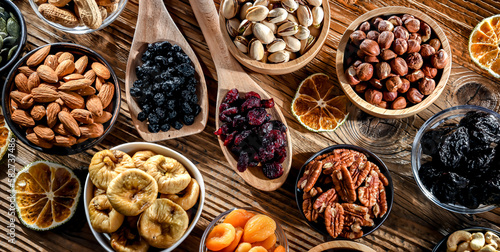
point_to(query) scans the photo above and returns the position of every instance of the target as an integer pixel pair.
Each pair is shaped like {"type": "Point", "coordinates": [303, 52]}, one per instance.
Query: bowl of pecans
{"type": "Point", "coordinates": [344, 191]}
{"type": "Point", "coordinates": [61, 99]}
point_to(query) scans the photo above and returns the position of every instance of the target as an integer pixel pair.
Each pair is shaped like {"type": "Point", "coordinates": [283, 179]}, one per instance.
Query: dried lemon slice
{"type": "Point", "coordinates": [46, 195]}
{"type": "Point", "coordinates": [132, 191]}
{"type": "Point", "coordinates": [171, 175]}
{"type": "Point", "coordinates": [5, 135]}
{"type": "Point", "coordinates": [106, 165]}
{"type": "Point", "coordinates": [484, 47]}
{"type": "Point", "coordinates": [319, 104]}
{"type": "Point", "coordinates": [103, 217]}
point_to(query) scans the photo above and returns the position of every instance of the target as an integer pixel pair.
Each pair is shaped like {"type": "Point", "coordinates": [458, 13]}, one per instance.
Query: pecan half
{"type": "Point", "coordinates": [310, 176]}
{"type": "Point", "coordinates": [334, 219]}
{"type": "Point", "coordinates": [346, 158]}
{"type": "Point", "coordinates": [380, 208]}
{"type": "Point", "coordinates": [343, 184]}
{"type": "Point", "coordinates": [307, 206]}
{"type": "Point", "coordinates": [368, 193]}
{"type": "Point", "coordinates": [327, 198]}
{"type": "Point", "coordinates": [381, 176]}
{"type": "Point", "coordinates": [361, 213]}
{"type": "Point", "coordinates": [359, 170]}
{"type": "Point", "coordinates": [349, 233]}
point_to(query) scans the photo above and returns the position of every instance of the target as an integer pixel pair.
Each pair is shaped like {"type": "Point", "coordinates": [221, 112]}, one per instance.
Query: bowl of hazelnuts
{"type": "Point", "coordinates": [393, 62]}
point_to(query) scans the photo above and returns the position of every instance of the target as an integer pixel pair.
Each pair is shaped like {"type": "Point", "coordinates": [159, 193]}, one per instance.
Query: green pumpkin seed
{"type": "Point", "coordinates": [0, 60]}
{"type": "Point", "coordinates": [2, 9]}
{"type": "Point", "coordinates": [1, 42]}
{"type": "Point", "coordinates": [9, 41]}
{"type": "Point", "coordinates": [13, 16]}
{"type": "Point", "coordinates": [5, 16]}
{"type": "Point", "coordinates": [3, 35]}
{"type": "Point", "coordinates": [13, 28]}
{"type": "Point", "coordinates": [3, 25]}
{"type": "Point", "coordinates": [11, 52]}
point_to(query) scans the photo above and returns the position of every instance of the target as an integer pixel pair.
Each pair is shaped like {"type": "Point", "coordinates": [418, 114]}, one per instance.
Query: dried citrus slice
{"type": "Point", "coordinates": [484, 45]}
{"type": "Point", "coordinates": [46, 195]}
{"type": "Point", "coordinates": [319, 105]}
{"type": "Point", "coordinates": [5, 135]}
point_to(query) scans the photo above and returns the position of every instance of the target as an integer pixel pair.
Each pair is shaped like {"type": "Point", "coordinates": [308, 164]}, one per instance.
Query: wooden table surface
{"type": "Point", "coordinates": [415, 223]}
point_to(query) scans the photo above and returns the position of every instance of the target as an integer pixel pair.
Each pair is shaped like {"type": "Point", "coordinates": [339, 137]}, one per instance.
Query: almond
{"type": "Point", "coordinates": [47, 74]}
{"type": "Point", "coordinates": [101, 70]}
{"type": "Point", "coordinates": [75, 84]}
{"type": "Point", "coordinates": [66, 56]}
{"type": "Point", "coordinates": [53, 110]}
{"type": "Point", "coordinates": [37, 58]}
{"type": "Point", "coordinates": [81, 64]}
{"type": "Point", "coordinates": [106, 94]}
{"type": "Point", "coordinates": [60, 102]}
{"type": "Point", "coordinates": [42, 94]}
{"type": "Point", "coordinates": [51, 61]}
{"type": "Point", "coordinates": [81, 140]}
{"type": "Point", "coordinates": [74, 76]}
{"type": "Point", "coordinates": [33, 81]}
{"type": "Point", "coordinates": [94, 105]}
{"type": "Point", "coordinates": [92, 130]}
{"type": "Point", "coordinates": [22, 118]}
{"type": "Point", "coordinates": [90, 74]}
{"type": "Point", "coordinates": [26, 71]}
{"type": "Point", "coordinates": [106, 116]}
{"type": "Point", "coordinates": [98, 83]}
{"type": "Point", "coordinates": [32, 137]}
{"type": "Point", "coordinates": [86, 91]}
{"type": "Point", "coordinates": [27, 102]}
{"type": "Point", "coordinates": [44, 132]}
{"type": "Point", "coordinates": [49, 86]}
{"type": "Point", "coordinates": [21, 82]}
{"type": "Point", "coordinates": [59, 129]}
{"type": "Point", "coordinates": [66, 67]}
{"type": "Point", "coordinates": [58, 54]}
{"type": "Point", "coordinates": [82, 115]}
{"type": "Point", "coordinates": [72, 99]}
{"type": "Point", "coordinates": [17, 95]}
{"type": "Point", "coordinates": [14, 105]}
{"type": "Point", "coordinates": [69, 123]}
{"type": "Point", "coordinates": [38, 112]}
{"type": "Point", "coordinates": [64, 108]}
{"type": "Point", "coordinates": [64, 141]}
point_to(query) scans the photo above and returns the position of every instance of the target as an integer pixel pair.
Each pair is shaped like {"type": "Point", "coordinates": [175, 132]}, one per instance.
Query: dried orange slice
{"type": "Point", "coordinates": [484, 45]}
{"type": "Point", "coordinates": [46, 195]}
{"type": "Point", "coordinates": [319, 105]}
{"type": "Point", "coordinates": [5, 135]}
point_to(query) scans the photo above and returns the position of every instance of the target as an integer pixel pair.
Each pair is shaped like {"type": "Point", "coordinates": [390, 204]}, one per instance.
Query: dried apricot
{"type": "Point", "coordinates": [238, 217]}
{"type": "Point", "coordinates": [243, 247]}
{"type": "Point", "coordinates": [258, 228]}
{"type": "Point", "coordinates": [235, 242]}
{"type": "Point", "coordinates": [258, 249]}
{"type": "Point", "coordinates": [220, 237]}
{"type": "Point", "coordinates": [280, 249]}
{"type": "Point", "coordinates": [267, 243]}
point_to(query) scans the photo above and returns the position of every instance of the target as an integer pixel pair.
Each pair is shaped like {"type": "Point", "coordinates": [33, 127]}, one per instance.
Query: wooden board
{"type": "Point", "coordinates": [415, 223]}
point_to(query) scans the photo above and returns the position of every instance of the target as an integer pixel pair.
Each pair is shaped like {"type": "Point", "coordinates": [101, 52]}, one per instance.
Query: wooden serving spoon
{"type": "Point", "coordinates": [154, 24]}
{"type": "Point", "coordinates": [231, 75]}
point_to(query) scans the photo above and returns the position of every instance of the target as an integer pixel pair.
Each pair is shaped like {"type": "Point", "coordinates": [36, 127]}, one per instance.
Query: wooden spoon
{"type": "Point", "coordinates": [154, 24]}
{"type": "Point", "coordinates": [231, 75]}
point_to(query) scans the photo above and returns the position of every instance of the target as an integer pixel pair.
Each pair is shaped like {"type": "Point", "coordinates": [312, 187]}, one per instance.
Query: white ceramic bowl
{"type": "Point", "coordinates": [103, 238]}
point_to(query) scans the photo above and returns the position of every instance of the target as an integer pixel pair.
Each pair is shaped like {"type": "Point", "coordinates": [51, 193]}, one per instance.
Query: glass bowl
{"type": "Point", "coordinates": [280, 234]}
{"type": "Point", "coordinates": [449, 115]}
{"type": "Point", "coordinates": [82, 29]}
{"type": "Point", "coordinates": [21, 43]}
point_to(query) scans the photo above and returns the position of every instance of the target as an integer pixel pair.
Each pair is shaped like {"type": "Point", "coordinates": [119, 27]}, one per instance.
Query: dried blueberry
{"type": "Point", "coordinates": [153, 118]}
{"type": "Point", "coordinates": [170, 104]}
{"type": "Point", "coordinates": [185, 69]}
{"type": "Point", "coordinates": [188, 119]}
{"type": "Point", "coordinates": [142, 116]}
{"type": "Point", "coordinates": [177, 125]}
{"type": "Point", "coordinates": [159, 99]}
{"type": "Point", "coordinates": [165, 127]}
{"type": "Point", "coordinates": [153, 128]}
{"type": "Point", "coordinates": [135, 92]}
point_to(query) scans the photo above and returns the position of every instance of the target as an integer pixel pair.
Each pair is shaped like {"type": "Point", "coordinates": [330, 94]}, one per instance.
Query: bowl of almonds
{"type": "Point", "coordinates": [61, 99]}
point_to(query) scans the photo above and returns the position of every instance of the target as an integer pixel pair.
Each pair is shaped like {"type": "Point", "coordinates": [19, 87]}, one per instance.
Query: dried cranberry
{"type": "Point", "coordinates": [222, 130]}
{"type": "Point", "coordinates": [252, 94]}
{"type": "Point", "coordinates": [272, 170]}
{"type": "Point", "coordinates": [229, 138]}
{"type": "Point", "coordinates": [225, 118]}
{"type": "Point", "coordinates": [266, 154]}
{"type": "Point", "coordinates": [253, 164]}
{"type": "Point", "coordinates": [279, 126]}
{"type": "Point", "coordinates": [256, 116]}
{"type": "Point", "coordinates": [223, 106]}
{"type": "Point", "coordinates": [239, 121]}
{"type": "Point", "coordinates": [242, 161]}
{"type": "Point", "coordinates": [236, 149]}
{"type": "Point", "coordinates": [251, 102]}
{"type": "Point", "coordinates": [264, 129]}
{"type": "Point", "coordinates": [239, 138]}
{"type": "Point", "coordinates": [268, 103]}
{"type": "Point", "coordinates": [275, 138]}
{"type": "Point", "coordinates": [230, 111]}
{"type": "Point", "coordinates": [231, 96]}
{"type": "Point", "coordinates": [280, 155]}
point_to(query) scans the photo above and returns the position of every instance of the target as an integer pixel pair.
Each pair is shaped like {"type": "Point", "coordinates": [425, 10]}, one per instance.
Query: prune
{"type": "Point", "coordinates": [272, 170]}
{"type": "Point", "coordinates": [231, 96]}
{"type": "Point", "coordinates": [428, 174]}
{"type": "Point", "coordinates": [256, 116]}
{"type": "Point", "coordinates": [154, 128]}
{"type": "Point", "coordinates": [268, 103]}
{"type": "Point", "coordinates": [470, 197]}
{"type": "Point", "coordinates": [454, 146]}
{"type": "Point", "coordinates": [251, 102]}
{"type": "Point", "coordinates": [478, 162]}
{"type": "Point", "coordinates": [492, 189]}
{"type": "Point", "coordinates": [448, 186]}
{"type": "Point", "coordinates": [484, 128]}
{"type": "Point", "coordinates": [431, 139]}
{"type": "Point", "coordinates": [243, 161]}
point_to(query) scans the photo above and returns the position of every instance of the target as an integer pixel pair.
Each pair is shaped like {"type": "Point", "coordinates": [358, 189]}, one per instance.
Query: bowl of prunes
{"type": "Point", "coordinates": [455, 159]}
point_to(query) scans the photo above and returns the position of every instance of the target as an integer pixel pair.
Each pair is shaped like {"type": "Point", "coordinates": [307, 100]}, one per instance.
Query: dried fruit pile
{"type": "Point", "coordinates": [165, 88]}
{"type": "Point", "coordinates": [126, 202]}
{"type": "Point", "coordinates": [244, 231]}
{"type": "Point", "coordinates": [346, 190]}
{"type": "Point", "coordinates": [60, 101]}
{"type": "Point", "coordinates": [249, 133]}
{"type": "Point", "coordinates": [10, 31]}
{"type": "Point", "coordinates": [394, 62]}
{"type": "Point", "coordinates": [464, 166]}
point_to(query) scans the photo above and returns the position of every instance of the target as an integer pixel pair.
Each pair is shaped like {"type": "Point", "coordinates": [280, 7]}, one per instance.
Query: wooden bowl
{"type": "Point", "coordinates": [342, 246]}
{"type": "Point", "coordinates": [280, 68]}
{"type": "Point", "coordinates": [359, 101]}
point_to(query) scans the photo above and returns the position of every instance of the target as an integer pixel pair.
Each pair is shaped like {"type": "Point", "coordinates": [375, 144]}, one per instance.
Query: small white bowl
{"type": "Point", "coordinates": [130, 148]}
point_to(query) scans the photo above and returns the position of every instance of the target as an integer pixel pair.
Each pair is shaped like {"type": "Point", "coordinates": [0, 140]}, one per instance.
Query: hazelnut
{"type": "Point", "coordinates": [435, 43]}
{"type": "Point", "coordinates": [395, 20]}
{"type": "Point", "coordinates": [412, 24]}
{"type": "Point", "coordinates": [440, 59]}
{"type": "Point", "coordinates": [393, 83]}
{"type": "Point", "coordinates": [414, 96]}
{"type": "Point", "coordinates": [365, 27]}
{"type": "Point", "coordinates": [373, 96]}
{"type": "Point", "coordinates": [364, 72]}
{"type": "Point", "coordinates": [376, 83]}
{"type": "Point", "coordinates": [405, 86]}
{"type": "Point", "coordinates": [399, 103]}
{"type": "Point", "coordinates": [371, 59]}
{"type": "Point", "coordinates": [427, 51]}
{"type": "Point", "coordinates": [361, 87]}
{"type": "Point", "coordinates": [385, 39]}
{"type": "Point", "coordinates": [401, 32]}
{"type": "Point", "coordinates": [369, 47]}
{"type": "Point", "coordinates": [385, 25]}
{"type": "Point", "coordinates": [357, 63]}
{"type": "Point", "coordinates": [376, 21]}
{"type": "Point", "coordinates": [357, 37]}
{"type": "Point", "coordinates": [351, 77]}
{"type": "Point", "coordinates": [413, 46]}
{"type": "Point", "coordinates": [399, 66]}
{"type": "Point", "coordinates": [414, 60]}
{"type": "Point", "coordinates": [383, 70]}
{"type": "Point", "coordinates": [416, 37]}
{"type": "Point", "coordinates": [425, 31]}
{"type": "Point", "coordinates": [360, 54]}
{"type": "Point", "coordinates": [373, 35]}
{"type": "Point", "coordinates": [400, 46]}
{"type": "Point", "coordinates": [383, 104]}
{"type": "Point", "coordinates": [426, 86]}
{"type": "Point", "coordinates": [429, 71]}
{"type": "Point", "coordinates": [387, 54]}
{"type": "Point", "coordinates": [390, 96]}
{"type": "Point", "coordinates": [406, 16]}
{"type": "Point", "coordinates": [415, 75]}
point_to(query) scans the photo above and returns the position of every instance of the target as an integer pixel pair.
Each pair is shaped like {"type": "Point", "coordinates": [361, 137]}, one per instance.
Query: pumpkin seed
{"type": "Point", "coordinates": [11, 52]}
{"type": "Point", "coordinates": [13, 28]}
{"type": "Point", "coordinates": [3, 25]}
{"type": "Point", "coordinates": [3, 35]}
{"type": "Point", "coordinates": [0, 59]}
{"type": "Point", "coordinates": [9, 41]}
{"type": "Point", "coordinates": [1, 42]}
{"type": "Point", "coordinates": [4, 52]}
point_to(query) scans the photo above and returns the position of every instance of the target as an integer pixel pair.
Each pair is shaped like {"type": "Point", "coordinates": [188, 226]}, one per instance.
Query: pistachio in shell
{"type": "Point", "coordinates": [241, 43]}
{"type": "Point", "coordinates": [314, 3]}
{"type": "Point", "coordinates": [245, 28]}
{"type": "Point", "coordinates": [272, 26]}
{"type": "Point", "coordinates": [306, 44]}
{"type": "Point", "coordinates": [263, 33]}
{"type": "Point", "coordinates": [256, 50]}
{"type": "Point", "coordinates": [279, 57]}
{"type": "Point", "coordinates": [292, 44]}
{"type": "Point", "coordinates": [288, 28]}
{"type": "Point", "coordinates": [290, 5]}
{"type": "Point", "coordinates": [244, 8]}
{"type": "Point", "coordinates": [277, 15]}
{"type": "Point", "coordinates": [277, 45]}
{"type": "Point", "coordinates": [302, 33]}
{"type": "Point", "coordinates": [229, 8]}
{"type": "Point", "coordinates": [304, 15]}
{"type": "Point", "coordinates": [257, 13]}
{"type": "Point", "coordinates": [318, 15]}
{"type": "Point", "coordinates": [232, 26]}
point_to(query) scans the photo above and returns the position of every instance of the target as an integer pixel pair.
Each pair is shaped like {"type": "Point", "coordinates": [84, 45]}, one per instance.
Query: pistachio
{"type": "Point", "coordinates": [302, 33]}
{"type": "Point", "coordinates": [306, 44]}
{"type": "Point", "coordinates": [245, 28]}
{"type": "Point", "coordinates": [290, 5]}
{"type": "Point", "coordinates": [256, 50]}
{"type": "Point", "coordinates": [314, 3]}
{"type": "Point", "coordinates": [232, 26]}
{"type": "Point", "coordinates": [291, 55]}
{"type": "Point", "coordinates": [229, 8]}
{"type": "Point", "coordinates": [279, 57]}
{"type": "Point", "coordinates": [264, 59]}
{"type": "Point", "coordinates": [292, 44]}
{"type": "Point", "coordinates": [263, 33]}
{"type": "Point", "coordinates": [318, 16]}
{"type": "Point", "coordinates": [243, 10]}
{"type": "Point", "coordinates": [241, 43]}
{"type": "Point", "coordinates": [304, 15]}
{"type": "Point", "coordinates": [277, 15]}
{"type": "Point", "coordinates": [289, 28]}
{"type": "Point", "coordinates": [257, 13]}
{"type": "Point", "coordinates": [261, 2]}
{"type": "Point", "coordinates": [290, 17]}
{"type": "Point", "coordinates": [273, 27]}
{"type": "Point", "coordinates": [277, 45]}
